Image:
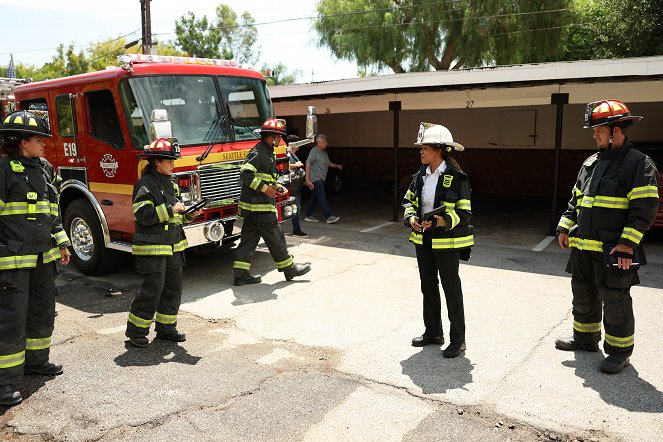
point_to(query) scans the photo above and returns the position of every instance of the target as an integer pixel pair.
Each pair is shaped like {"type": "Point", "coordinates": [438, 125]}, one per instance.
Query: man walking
{"type": "Point", "coordinates": [317, 165]}
{"type": "Point", "coordinates": [613, 203]}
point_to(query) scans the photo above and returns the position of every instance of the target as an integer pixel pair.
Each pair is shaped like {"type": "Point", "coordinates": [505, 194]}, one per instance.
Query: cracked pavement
{"type": "Point", "coordinates": [328, 356]}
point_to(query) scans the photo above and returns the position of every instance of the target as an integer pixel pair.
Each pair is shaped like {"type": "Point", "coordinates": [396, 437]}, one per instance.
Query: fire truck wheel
{"type": "Point", "coordinates": [87, 242]}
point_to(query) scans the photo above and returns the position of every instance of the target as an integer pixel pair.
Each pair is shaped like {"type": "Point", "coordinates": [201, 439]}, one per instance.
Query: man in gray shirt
{"type": "Point", "coordinates": [317, 165]}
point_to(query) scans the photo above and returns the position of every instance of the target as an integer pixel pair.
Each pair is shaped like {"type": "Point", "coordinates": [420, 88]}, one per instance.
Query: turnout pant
{"type": "Point", "coordinates": [594, 284]}
{"type": "Point", "coordinates": [27, 316]}
{"type": "Point", "coordinates": [446, 265]}
{"type": "Point", "coordinates": [160, 293]}
{"type": "Point", "coordinates": [265, 225]}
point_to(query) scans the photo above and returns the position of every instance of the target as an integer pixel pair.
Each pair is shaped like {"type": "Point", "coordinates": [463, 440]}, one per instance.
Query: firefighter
{"type": "Point", "coordinates": [158, 244]}
{"type": "Point", "coordinates": [257, 207]}
{"type": "Point", "coordinates": [613, 203]}
{"type": "Point", "coordinates": [442, 240]}
{"type": "Point", "coordinates": [31, 240]}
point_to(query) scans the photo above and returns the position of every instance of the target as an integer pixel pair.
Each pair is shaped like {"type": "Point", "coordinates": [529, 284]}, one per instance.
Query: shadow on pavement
{"type": "Point", "coordinates": [434, 374]}
{"type": "Point", "coordinates": [624, 390]}
{"type": "Point", "coordinates": [158, 352]}
{"type": "Point", "coordinates": [28, 386]}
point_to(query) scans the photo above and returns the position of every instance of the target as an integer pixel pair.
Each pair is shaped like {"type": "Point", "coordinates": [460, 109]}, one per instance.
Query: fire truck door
{"type": "Point", "coordinates": [66, 133]}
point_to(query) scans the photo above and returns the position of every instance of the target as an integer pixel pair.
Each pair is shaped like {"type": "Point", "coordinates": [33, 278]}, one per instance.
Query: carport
{"type": "Point", "coordinates": [521, 125]}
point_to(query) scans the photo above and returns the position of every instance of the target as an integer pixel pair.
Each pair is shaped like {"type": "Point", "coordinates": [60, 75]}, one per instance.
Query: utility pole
{"type": "Point", "coordinates": [147, 26]}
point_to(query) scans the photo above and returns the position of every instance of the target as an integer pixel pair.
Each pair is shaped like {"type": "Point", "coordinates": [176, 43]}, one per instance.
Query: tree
{"type": "Point", "coordinates": [228, 37]}
{"type": "Point", "coordinates": [420, 35]}
{"type": "Point", "coordinates": [64, 63]}
{"type": "Point", "coordinates": [615, 29]}
{"type": "Point", "coordinates": [280, 75]}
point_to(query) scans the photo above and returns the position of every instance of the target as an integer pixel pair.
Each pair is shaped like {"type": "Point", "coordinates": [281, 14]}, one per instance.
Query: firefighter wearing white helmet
{"type": "Point", "coordinates": [613, 204]}
{"type": "Point", "coordinates": [158, 244]}
{"type": "Point", "coordinates": [438, 211]}
{"type": "Point", "coordinates": [31, 240]}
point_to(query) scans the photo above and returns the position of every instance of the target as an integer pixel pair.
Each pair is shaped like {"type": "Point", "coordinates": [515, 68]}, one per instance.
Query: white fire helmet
{"type": "Point", "coordinates": [436, 134]}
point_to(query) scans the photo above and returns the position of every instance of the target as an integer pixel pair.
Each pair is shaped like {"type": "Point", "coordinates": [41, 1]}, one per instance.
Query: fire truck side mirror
{"type": "Point", "coordinates": [311, 122]}
{"type": "Point", "coordinates": [160, 125]}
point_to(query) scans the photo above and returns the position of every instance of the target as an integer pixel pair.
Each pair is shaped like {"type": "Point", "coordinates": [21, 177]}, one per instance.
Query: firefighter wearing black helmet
{"type": "Point", "coordinates": [158, 244]}
{"type": "Point", "coordinates": [257, 208]}
{"type": "Point", "coordinates": [613, 203]}
{"type": "Point", "coordinates": [31, 240]}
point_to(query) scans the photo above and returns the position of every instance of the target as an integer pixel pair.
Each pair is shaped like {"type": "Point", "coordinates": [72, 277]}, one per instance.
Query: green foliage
{"type": "Point", "coordinates": [421, 35]}
{"type": "Point", "coordinates": [229, 37]}
{"type": "Point", "coordinates": [615, 29]}
{"type": "Point", "coordinates": [280, 75]}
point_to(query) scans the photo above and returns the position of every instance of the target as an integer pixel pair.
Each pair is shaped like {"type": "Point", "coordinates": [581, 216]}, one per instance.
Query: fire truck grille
{"type": "Point", "coordinates": [220, 182]}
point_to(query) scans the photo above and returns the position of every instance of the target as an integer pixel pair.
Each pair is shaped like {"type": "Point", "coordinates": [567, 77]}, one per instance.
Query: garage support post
{"type": "Point", "coordinates": [396, 107]}
{"type": "Point", "coordinates": [560, 100]}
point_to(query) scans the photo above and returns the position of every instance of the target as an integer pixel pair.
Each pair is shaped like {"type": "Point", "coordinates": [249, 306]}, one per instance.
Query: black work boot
{"type": "Point", "coordinates": [296, 270]}
{"type": "Point", "coordinates": [139, 341]}
{"type": "Point", "coordinates": [424, 340]}
{"type": "Point", "coordinates": [574, 342]}
{"type": "Point", "coordinates": [175, 336]}
{"type": "Point", "coordinates": [614, 364]}
{"type": "Point", "coordinates": [241, 278]}
{"type": "Point", "coordinates": [9, 396]}
{"type": "Point", "coordinates": [454, 350]}
{"type": "Point", "coordinates": [45, 369]}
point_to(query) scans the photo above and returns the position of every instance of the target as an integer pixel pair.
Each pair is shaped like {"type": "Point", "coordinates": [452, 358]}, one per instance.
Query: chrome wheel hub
{"type": "Point", "coordinates": [81, 239]}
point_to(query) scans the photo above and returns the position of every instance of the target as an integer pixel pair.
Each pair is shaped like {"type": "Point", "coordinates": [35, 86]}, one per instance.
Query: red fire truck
{"type": "Point", "coordinates": [101, 120]}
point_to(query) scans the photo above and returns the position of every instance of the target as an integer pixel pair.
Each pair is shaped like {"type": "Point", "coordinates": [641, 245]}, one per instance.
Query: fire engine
{"type": "Point", "coordinates": [101, 120]}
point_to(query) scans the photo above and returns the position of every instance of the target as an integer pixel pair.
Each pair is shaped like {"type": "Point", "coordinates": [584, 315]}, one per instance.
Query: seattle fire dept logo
{"type": "Point", "coordinates": [109, 165]}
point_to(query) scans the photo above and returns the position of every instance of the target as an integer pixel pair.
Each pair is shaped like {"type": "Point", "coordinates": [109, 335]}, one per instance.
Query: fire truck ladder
{"type": "Point", "coordinates": [7, 86]}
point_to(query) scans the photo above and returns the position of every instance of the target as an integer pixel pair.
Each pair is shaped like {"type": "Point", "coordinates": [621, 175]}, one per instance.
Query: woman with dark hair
{"type": "Point", "coordinates": [159, 244]}
{"type": "Point", "coordinates": [31, 240]}
{"type": "Point", "coordinates": [438, 210]}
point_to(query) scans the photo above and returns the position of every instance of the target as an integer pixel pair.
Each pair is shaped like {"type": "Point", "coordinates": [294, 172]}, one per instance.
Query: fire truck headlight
{"type": "Point", "coordinates": [294, 209]}
{"type": "Point", "coordinates": [214, 231]}
{"type": "Point", "coordinates": [287, 211]}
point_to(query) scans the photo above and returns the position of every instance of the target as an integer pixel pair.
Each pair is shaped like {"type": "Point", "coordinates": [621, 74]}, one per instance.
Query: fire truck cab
{"type": "Point", "coordinates": [101, 120]}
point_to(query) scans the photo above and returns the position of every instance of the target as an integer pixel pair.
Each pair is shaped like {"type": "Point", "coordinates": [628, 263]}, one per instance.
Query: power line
{"type": "Point", "coordinates": [74, 46]}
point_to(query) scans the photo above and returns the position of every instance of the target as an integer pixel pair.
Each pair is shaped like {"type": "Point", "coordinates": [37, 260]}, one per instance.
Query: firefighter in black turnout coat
{"type": "Point", "coordinates": [257, 207]}
{"type": "Point", "coordinates": [31, 240]}
{"type": "Point", "coordinates": [443, 239]}
{"type": "Point", "coordinates": [613, 203]}
{"type": "Point", "coordinates": [159, 244]}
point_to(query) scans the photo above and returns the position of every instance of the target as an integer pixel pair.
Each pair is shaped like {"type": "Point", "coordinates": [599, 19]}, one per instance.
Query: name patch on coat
{"type": "Point", "coordinates": [446, 181]}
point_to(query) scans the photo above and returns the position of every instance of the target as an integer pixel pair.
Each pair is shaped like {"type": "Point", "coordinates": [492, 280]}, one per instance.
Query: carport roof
{"type": "Point", "coordinates": [541, 73]}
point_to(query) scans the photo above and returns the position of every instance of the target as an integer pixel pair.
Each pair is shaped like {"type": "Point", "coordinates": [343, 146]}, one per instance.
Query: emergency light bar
{"type": "Point", "coordinates": [172, 59]}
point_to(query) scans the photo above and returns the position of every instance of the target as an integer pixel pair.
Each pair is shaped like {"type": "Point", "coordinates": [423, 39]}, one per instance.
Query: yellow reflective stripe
{"type": "Point", "coordinates": [180, 246]}
{"type": "Point", "coordinates": [51, 255]}
{"type": "Point", "coordinates": [587, 328]}
{"type": "Point", "coordinates": [576, 192]}
{"type": "Point", "coordinates": [139, 322]}
{"type": "Point", "coordinates": [453, 243]}
{"type": "Point", "coordinates": [283, 264]}
{"type": "Point", "coordinates": [151, 250]}
{"type": "Point", "coordinates": [255, 183]}
{"type": "Point", "coordinates": [248, 166]}
{"type": "Point", "coordinates": [449, 204]}
{"type": "Point", "coordinates": [37, 343]}
{"type": "Point", "coordinates": [643, 192]}
{"type": "Point", "coordinates": [162, 213]}
{"type": "Point", "coordinates": [632, 235]}
{"type": "Point", "coordinates": [619, 342]}
{"type": "Point", "coordinates": [409, 211]}
{"type": "Point", "coordinates": [55, 209]}
{"type": "Point", "coordinates": [2, 205]}
{"type": "Point", "coordinates": [416, 238]}
{"type": "Point", "coordinates": [586, 244]}
{"type": "Point", "coordinates": [566, 223]}
{"type": "Point", "coordinates": [242, 265]}
{"type": "Point", "coordinates": [25, 208]}
{"type": "Point", "coordinates": [455, 219]}
{"type": "Point", "coordinates": [12, 360]}
{"type": "Point", "coordinates": [18, 262]}
{"type": "Point", "coordinates": [463, 205]}
{"type": "Point", "coordinates": [265, 177]}
{"type": "Point", "coordinates": [410, 195]}
{"type": "Point", "coordinates": [140, 204]}
{"type": "Point", "coordinates": [257, 207]}
{"type": "Point", "coordinates": [166, 319]}
{"type": "Point", "coordinates": [610, 202]}
{"type": "Point", "coordinates": [60, 237]}
{"type": "Point", "coordinates": [177, 219]}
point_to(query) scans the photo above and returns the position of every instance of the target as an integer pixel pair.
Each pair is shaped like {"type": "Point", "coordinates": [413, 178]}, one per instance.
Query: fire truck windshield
{"type": "Point", "coordinates": [196, 113]}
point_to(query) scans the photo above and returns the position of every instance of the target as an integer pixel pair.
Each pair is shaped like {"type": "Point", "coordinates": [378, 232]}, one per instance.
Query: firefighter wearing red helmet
{"type": "Point", "coordinates": [613, 203]}
{"type": "Point", "coordinates": [257, 208]}
{"type": "Point", "coordinates": [158, 244]}
{"type": "Point", "coordinates": [31, 240]}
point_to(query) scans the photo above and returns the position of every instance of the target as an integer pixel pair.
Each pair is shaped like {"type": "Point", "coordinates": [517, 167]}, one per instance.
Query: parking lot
{"type": "Point", "coordinates": [328, 356]}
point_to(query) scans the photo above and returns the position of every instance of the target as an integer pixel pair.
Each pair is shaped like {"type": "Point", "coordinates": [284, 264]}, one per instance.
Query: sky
{"type": "Point", "coordinates": [31, 30]}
